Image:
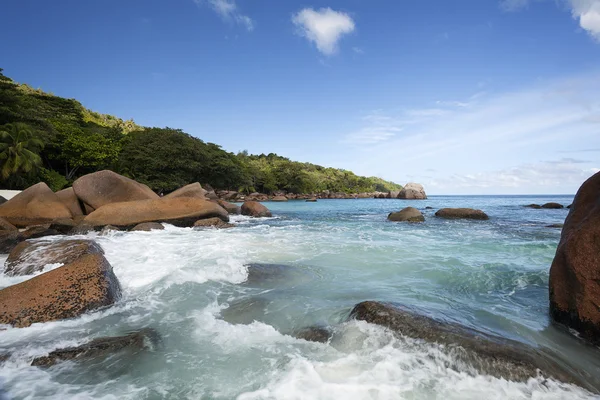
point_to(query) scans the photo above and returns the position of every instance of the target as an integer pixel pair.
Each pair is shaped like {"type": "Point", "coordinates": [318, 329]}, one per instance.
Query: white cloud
{"type": "Point", "coordinates": [324, 27]}
{"type": "Point", "coordinates": [229, 11]}
{"type": "Point", "coordinates": [587, 12]}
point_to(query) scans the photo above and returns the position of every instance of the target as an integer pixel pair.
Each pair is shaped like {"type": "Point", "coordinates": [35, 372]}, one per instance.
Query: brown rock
{"type": "Point", "coordinates": [393, 194]}
{"type": "Point", "coordinates": [84, 285]}
{"type": "Point", "coordinates": [317, 334]}
{"type": "Point", "coordinates": [88, 209]}
{"type": "Point", "coordinates": [408, 214]}
{"type": "Point", "coordinates": [575, 271]}
{"type": "Point", "coordinates": [212, 222]}
{"type": "Point", "coordinates": [9, 239]}
{"type": "Point", "coordinates": [230, 207]}
{"type": "Point", "coordinates": [70, 200]}
{"type": "Point", "coordinates": [192, 190]}
{"type": "Point", "coordinates": [102, 347]}
{"type": "Point", "coordinates": [255, 209]}
{"type": "Point", "coordinates": [279, 198]}
{"type": "Point", "coordinates": [461, 213]}
{"type": "Point", "coordinates": [488, 354]}
{"type": "Point", "coordinates": [211, 195]}
{"type": "Point", "coordinates": [108, 229]}
{"type": "Point", "coordinates": [7, 226]}
{"type": "Point", "coordinates": [106, 187]}
{"type": "Point", "coordinates": [33, 206]}
{"type": "Point", "coordinates": [38, 231]}
{"type": "Point", "coordinates": [534, 206]}
{"type": "Point", "coordinates": [554, 206]}
{"type": "Point", "coordinates": [64, 225]}
{"type": "Point", "coordinates": [312, 200]}
{"type": "Point", "coordinates": [412, 191]}
{"type": "Point", "coordinates": [31, 257]}
{"type": "Point", "coordinates": [180, 211]}
{"type": "Point", "coordinates": [148, 226]}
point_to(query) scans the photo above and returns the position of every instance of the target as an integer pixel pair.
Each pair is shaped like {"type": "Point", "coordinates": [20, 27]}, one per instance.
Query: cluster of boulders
{"type": "Point", "coordinates": [410, 191]}
{"type": "Point", "coordinates": [551, 206]}
{"type": "Point", "coordinates": [411, 214]}
{"type": "Point", "coordinates": [106, 200]}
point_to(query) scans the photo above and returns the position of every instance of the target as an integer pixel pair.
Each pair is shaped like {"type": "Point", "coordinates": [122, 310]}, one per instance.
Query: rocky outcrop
{"type": "Point", "coordinates": [36, 205]}
{"type": "Point", "coordinates": [107, 187]}
{"type": "Point", "coordinates": [393, 194]}
{"type": "Point", "coordinates": [461, 213]}
{"type": "Point", "coordinates": [230, 207]}
{"type": "Point", "coordinates": [180, 211]}
{"type": "Point", "coordinates": [192, 190]}
{"type": "Point", "coordinates": [279, 198]}
{"type": "Point", "coordinates": [317, 334]}
{"type": "Point", "coordinates": [412, 191]}
{"type": "Point", "coordinates": [30, 257]}
{"type": "Point", "coordinates": [255, 209]}
{"type": "Point", "coordinates": [489, 355]}
{"type": "Point", "coordinates": [7, 226]}
{"type": "Point", "coordinates": [212, 223]}
{"type": "Point", "coordinates": [146, 339]}
{"type": "Point", "coordinates": [70, 200]}
{"type": "Point", "coordinates": [84, 285]}
{"type": "Point", "coordinates": [148, 226]}
{"type": "Point", "coordinates": [553, 206]}
{"type": "Point", "coordinates": [575, 271]}
{"type": "Point", "coordinates": [408, 214]}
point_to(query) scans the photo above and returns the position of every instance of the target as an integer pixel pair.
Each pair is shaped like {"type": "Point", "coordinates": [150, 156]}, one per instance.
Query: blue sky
{"type": "Point", "coordinates": [463, 96]}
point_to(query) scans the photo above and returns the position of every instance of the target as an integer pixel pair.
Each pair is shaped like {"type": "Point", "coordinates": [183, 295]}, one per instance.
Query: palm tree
{"type": "Point", "coordinates": [18, 149]}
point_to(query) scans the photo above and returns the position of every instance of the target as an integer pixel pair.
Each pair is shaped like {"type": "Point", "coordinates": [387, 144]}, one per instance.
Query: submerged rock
{"type": "Point", "coordinates": [319, 334]}
{"type": "Point", "coordinates": [86, 284]}
{"type": "Point", "coordinates": [408, 214]}
{"type": "Point", "coordinates": [555, 226]}
{"type": "Point", "coordinates": [554, 206]}
{"type": "Point", "coordinates": [212, 223]}
{"type": "Point", "coordinates": [487, 354]}
{"type": "Point", "coordinates": [412, 191]}
{"type": "Point", "coordinates": [106, 187]}
{"type": "Point", "coordinates": [255, 209]}
{"type": "Point", "coordinates": [30, 257]}
{"type": "Point", "coordinates": [146, 339]}
{"type": "Point", "coordinates": [575, 271]}
{"type": "Point", "coordinates": [461, 213]}
{"type": "Point", "coordinates": [179, 211]}
{"type": "Point", "coordinates": [148, 226]}
{"type": "Point", "coordinates": [36, 205]}
{"type": "Point", "coordinates": [245, 311]}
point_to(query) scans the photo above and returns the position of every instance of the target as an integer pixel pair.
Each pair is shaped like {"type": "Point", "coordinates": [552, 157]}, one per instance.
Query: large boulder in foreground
{"type": "Point", "coordinates": [30, 257]}
{"type": "Point", "coordinates": [575, 272]}
{"type": "Point", "coordinates": [412, 191]}
{"type": "Point", "coordinates": [489, 355]}
{"type": "Point", "coordinates": [192, 190]}
{"type": "Point", "coordinates": [461, 213]}
{"type": "Point", "coordinates": [102, 347]}
{"type": "Point", "coordinates": [36, 205]}
{"type": "Point", "coordinates": [408, 214]}
{"type": "Point", "coordinates": [180, 211]}
{"type": "Point", "coordinates": [255, 209]}
{"type": "Point", "coordinates": [107, 187]}
{"type": "Point", "coordinates": [70, 200]}
{"type": "Point", "coordinates": [86, 284]}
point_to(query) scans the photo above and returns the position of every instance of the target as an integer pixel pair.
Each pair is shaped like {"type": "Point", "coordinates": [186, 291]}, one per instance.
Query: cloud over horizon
{"type": "Point", "coordinates": [324, 27]}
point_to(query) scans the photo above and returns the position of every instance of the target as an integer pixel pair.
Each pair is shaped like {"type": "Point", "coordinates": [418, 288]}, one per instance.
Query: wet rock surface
{"type": "Point", "coordinates": [461, 213]}
{"type": "Point", "coordinates": [408, 214]}
{"type": "Point", "coordinates": [148, 226]}
{"type": "Point", "coordinates": [319, 334]}
{"type": "Point", "coordinates": [255, 209]}
{"type": "Point", "coordinates": [145, 339]}
{"type": "Point", "coordinates": [212, 223]}
{"type": "Point", "coordinates": [553, 206]}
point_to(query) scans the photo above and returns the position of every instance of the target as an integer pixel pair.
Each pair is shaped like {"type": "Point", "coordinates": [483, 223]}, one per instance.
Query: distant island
{"type": "Point", "coordinates": [52, 139]}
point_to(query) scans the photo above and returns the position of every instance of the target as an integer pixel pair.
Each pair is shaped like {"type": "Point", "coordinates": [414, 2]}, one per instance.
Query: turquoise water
{"type": "Point", "coordinates": [225, 337]}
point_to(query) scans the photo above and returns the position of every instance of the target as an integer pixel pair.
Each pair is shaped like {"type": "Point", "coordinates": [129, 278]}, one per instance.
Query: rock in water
{"type": "Point", "coordinates": [180, 211]}
{"type": "Point", "coordinates": [70, 200]}
{"type": "Point", "coordinates": [255, 209]}
{"type": "Point", "coordinates": [554, 206]}
{"type": "Point", "coordinates": [535, 206]}
{"type": "Point", "coordinates": [412, 191]}
{"type": "Point", "coordinates": [408, 214]}
{"type": "Point", "coordinates": [230, 207]}
{"type": "Point", "coordinates": [318, 334]}
{"type": "Point", "coordinates": [30, 257]}
{"type": "Point", "coordinates": [489, 355]}
{"type": "Point", "coordinates": [102, 347]}
{"type": "Point", "coordinates": [148, 226]}
{"type": "Point", "coordinates": [192, 190]}
{"type": "Point", "coordinates": [36, 205]}
{"type": "Point", "coordinates": [212, 223]}
{"type": "Point", "coordinates": [461, 213]}
{"type": "Point", "coordinates": [86, 284]}
{"type": "Point", "coordinates": [106, 187]}
{"type": "Point", "coordinates": [575, 271]}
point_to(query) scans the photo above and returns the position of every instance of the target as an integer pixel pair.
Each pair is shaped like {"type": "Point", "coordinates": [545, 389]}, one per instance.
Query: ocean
{"type": "Point", "coordinates": [224, 337]}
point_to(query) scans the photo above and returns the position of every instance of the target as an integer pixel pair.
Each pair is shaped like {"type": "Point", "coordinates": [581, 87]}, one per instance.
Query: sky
{"type": "Point", "coordinates": [462, 96]}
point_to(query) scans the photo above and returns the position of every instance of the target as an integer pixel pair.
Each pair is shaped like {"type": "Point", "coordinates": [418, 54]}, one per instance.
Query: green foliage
{"type": "Point", "coordinates": [79, 141]}
{"type": "Point", "coordinates": [19, 150]}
